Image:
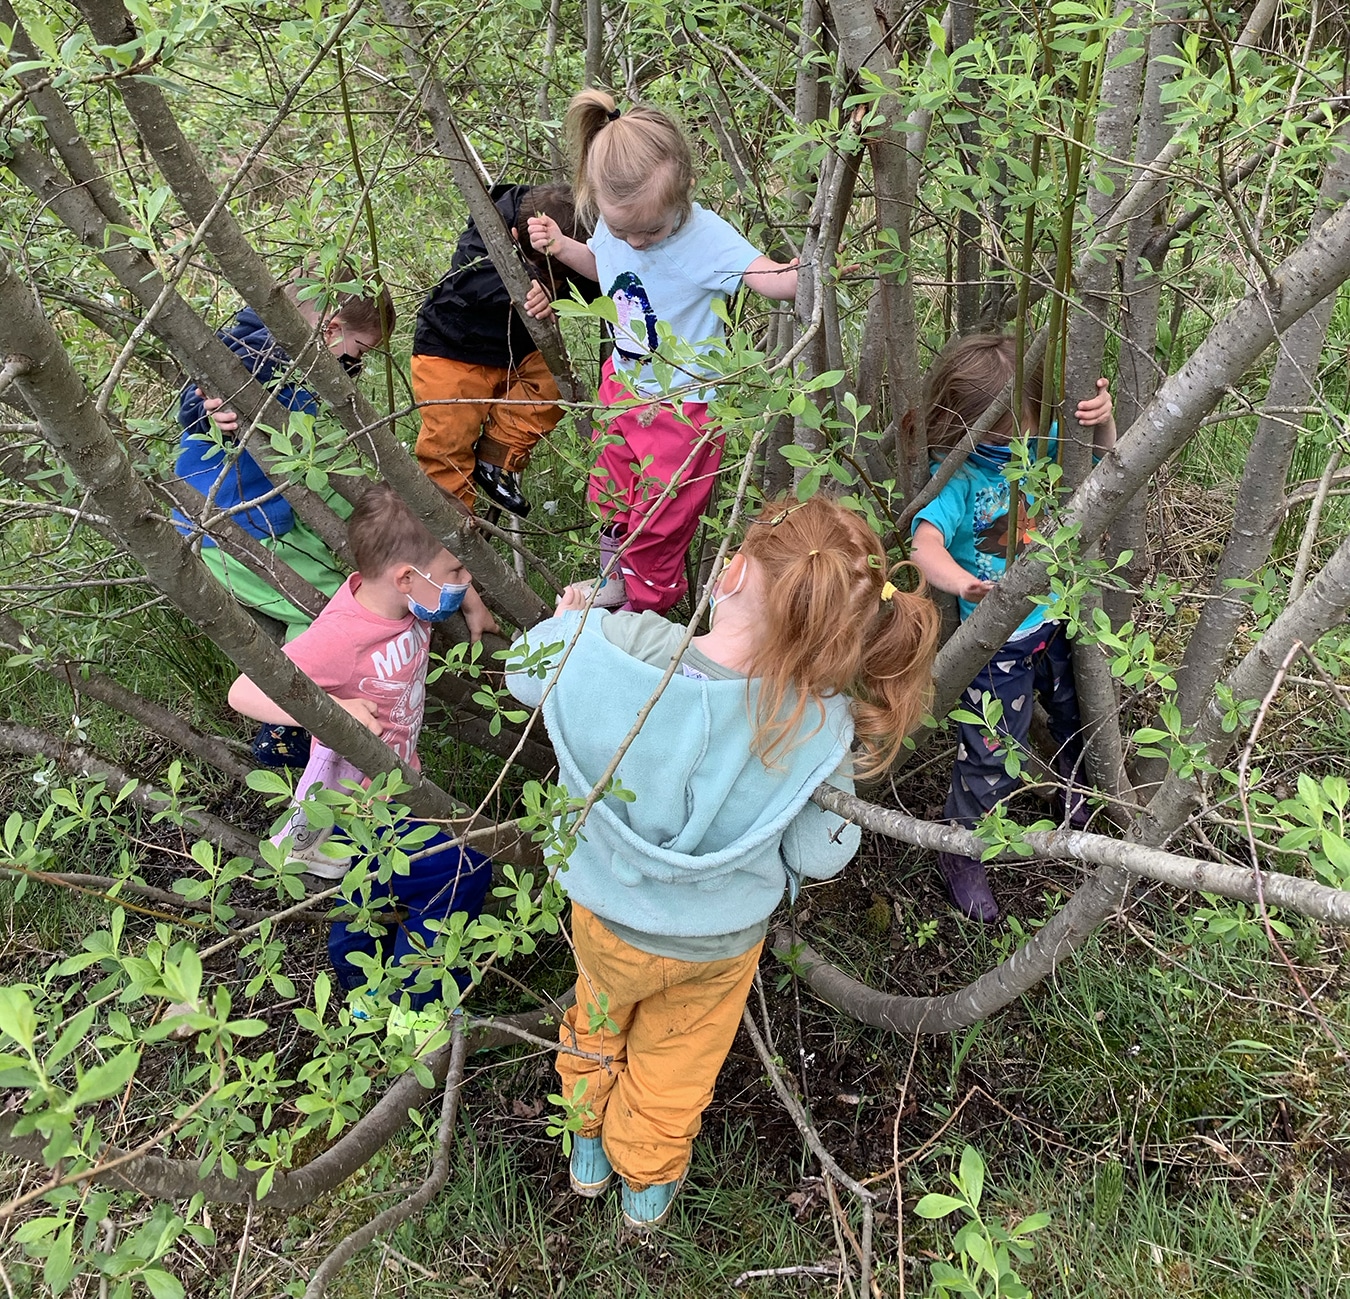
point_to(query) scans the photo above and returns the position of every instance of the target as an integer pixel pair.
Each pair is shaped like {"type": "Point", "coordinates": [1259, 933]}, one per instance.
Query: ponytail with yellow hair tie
{"type": "Point", "coordinates": [889, 592]}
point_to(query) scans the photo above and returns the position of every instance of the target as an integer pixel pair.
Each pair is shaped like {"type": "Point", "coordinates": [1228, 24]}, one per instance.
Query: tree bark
{"type": "Point", "coordinates": [244, 268]}
{"type": "Point", "coordinates": [1321, 607]}
{"type": "Point", "coordinates": [1260, 498]}
{"type": "Point", "coordinates": [180, 1179]}
{"type": "Point", "coordinates": [80, 761]}
{"type": "Point", "coordinates": [72, 426]}
{"type": "Point", "coordinates": [191, 340]}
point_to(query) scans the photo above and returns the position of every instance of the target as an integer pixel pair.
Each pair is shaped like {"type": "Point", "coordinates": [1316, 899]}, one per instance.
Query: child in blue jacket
{"type": "Point", "coordinates": [961, 546]}
{"type": "Point", "coordinates": [810, 650]}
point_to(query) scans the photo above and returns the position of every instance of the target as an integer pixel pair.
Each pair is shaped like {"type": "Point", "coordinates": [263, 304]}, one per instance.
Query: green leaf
{"type": "Point", "coordinates": [265, 781]}
{"type": "Point", "coordinates": [17, 1019]}
{"type": "Point", "coordinates": [70, 1039]}
{"type": "Point", "coordinates": [938, 1206]}
{"type": "Point", "coordinates": [59, 1270]}
{"type": "Point", "coordinates": [972, 1175]}
{"type": "Point", "coordinates": [15, 1071]}
{"type": "Point", "coordinates": [42, 36]}
{"type": "Point", "coordinates": [162, 1284]}
{"type": "Point", "coordinates": [107, 1079]}
{"type": "Point", "coordinates": [1032, 1222]}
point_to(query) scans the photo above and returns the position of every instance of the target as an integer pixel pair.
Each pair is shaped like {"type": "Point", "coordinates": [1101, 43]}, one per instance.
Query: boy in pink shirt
{"type": "Point", "coordinates": [368, 649]}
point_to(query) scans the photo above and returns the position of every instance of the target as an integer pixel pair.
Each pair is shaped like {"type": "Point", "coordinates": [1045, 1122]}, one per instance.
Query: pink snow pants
{"type": "Point", "coordinates": [630, 481]}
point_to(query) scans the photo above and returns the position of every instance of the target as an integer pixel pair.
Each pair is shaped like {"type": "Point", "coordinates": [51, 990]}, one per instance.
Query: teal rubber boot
{"type": "Point", "coordinates": [590, 1170]}
{"type": "Point", "coordinates": [643, 1210]}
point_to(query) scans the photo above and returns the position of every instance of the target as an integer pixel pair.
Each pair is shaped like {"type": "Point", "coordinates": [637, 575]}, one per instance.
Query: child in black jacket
{"type": "Point", "coordinates": [473, 354]}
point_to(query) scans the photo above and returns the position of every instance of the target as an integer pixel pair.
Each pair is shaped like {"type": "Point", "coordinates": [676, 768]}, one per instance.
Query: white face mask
{"type": "Point", "coordinates": [718, 594]}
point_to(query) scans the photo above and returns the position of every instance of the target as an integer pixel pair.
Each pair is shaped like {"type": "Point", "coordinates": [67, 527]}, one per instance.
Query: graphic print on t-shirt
{"type": "Point", "coordinates": [635, 335]}
{"type": "Point", "coordinates": [398, 687]}
{"type": "Point", "coordinates": [991, 530]}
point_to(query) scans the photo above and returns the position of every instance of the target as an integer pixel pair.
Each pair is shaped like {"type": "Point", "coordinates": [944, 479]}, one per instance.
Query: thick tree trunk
{"type": "Point", "coordinates": [74, 429]}
{"type": "Point", "coordinates": [184, 332]}
{"type": "Point", "coordinates": [1320, 608]}
{"type": "Point", "coordinates": [180, 1179]}
{"type": "Point", "coordinates": [1260, 498]}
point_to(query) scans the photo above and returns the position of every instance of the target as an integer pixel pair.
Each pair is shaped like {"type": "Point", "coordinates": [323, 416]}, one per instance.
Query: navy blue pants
{"type": "Point", "coordinates": [1035, 664]}
{"type": "Point", "coordinates": [449, 879]}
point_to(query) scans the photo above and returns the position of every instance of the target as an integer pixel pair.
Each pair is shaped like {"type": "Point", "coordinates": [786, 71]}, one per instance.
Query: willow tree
{"type": "Point", "coordinates": [1135, 189]}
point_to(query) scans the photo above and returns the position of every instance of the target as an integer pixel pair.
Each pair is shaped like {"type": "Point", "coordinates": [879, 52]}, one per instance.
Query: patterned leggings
{"type": "Point", "coordinates": [1036, 663]}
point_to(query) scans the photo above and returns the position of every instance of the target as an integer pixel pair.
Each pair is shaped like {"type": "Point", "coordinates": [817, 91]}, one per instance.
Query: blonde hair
{"type": "Point", "coordinates": [833, 624]}
{"type": "Point", "coordinates": [639, 155]}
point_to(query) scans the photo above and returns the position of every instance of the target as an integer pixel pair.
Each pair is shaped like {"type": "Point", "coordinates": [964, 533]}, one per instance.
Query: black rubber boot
{"type": "Point", "coordinates": [501, 486]}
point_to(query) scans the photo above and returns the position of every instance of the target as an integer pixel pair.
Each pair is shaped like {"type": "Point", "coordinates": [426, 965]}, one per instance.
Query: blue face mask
{"type": "Point", "coordinates": [993, 453]}
{"type": "Point", "coordinates": [452, 596]}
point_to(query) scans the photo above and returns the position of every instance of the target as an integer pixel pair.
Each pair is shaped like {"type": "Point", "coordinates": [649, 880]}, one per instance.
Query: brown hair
{"type": "Point", "coordinates": [383, 531]}
{"type": "Point", "coordinates": [964, 381]}
{"type": "Point", "coordinates": [638, 156]}
{"type": "Point", "coordinates": [556, 201]}
{"type": "Point", "coordinates": [827, 630]}
{"type": "Point", "coordinates": [372, 312]}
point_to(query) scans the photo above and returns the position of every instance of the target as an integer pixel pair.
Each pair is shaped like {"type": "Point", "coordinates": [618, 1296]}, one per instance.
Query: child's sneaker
{"type": "Point", "coordinates": [611, 593]}
{"type": "Point", "coordinates": [590, 1170]}
{"type": "Point", "coordinates": [310, 845]}
{"type": "Point", "coordinates": [643, 1210]}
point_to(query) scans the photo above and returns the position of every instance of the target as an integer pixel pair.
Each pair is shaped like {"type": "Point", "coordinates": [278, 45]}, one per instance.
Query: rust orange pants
{"type": "Point", "coordinates": [480, 419]}
{"type": "Point", "coordinates": [672, 1025]}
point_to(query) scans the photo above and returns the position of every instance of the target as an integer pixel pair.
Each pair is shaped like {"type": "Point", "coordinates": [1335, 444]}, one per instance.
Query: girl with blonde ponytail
{"type": "Point", "coordinates": [664, 260]}
{"type": "Point", "coordinates": [811, 647]}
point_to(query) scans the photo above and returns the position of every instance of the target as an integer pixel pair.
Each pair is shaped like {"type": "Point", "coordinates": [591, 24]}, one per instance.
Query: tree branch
{"type": "Point", "coordinates": [180, 1179]}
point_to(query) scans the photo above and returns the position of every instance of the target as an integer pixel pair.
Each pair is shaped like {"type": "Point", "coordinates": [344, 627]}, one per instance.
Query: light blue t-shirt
{"type": "Point", "coordinates": [676, 281]}
{"type": "Point", "coordinates": [971, 512]}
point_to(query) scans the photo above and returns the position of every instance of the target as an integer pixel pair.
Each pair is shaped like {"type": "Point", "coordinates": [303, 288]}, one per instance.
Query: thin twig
{"type": "Point", "coordinates": [827, 1161]}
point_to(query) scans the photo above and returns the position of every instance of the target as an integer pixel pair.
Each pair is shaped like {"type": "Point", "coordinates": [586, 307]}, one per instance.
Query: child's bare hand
{"type": "Point", "coordinates": [225, 419]}
{"type": "Point", "coordinates": [545, 235]}
{"type": "Point", "coordinates": [479, 620]}
{"type": "Point", "coordinates": [537, 302]}
{"type": "Point", "coordinates": [975, 590]}
{"type": "Point", "coordinates": [1096, 410]}
{"type": "Point", "coordinates": [364, 712]}
{"type": "Point", "coordinates": [574, 597]}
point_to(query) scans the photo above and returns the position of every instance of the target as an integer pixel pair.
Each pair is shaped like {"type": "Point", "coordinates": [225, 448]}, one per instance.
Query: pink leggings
{"type": "Point", "coordinates": [646, 453]}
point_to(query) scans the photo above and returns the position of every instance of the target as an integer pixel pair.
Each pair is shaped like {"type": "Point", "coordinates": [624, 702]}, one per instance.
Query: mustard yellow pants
{"type": "Point", "coordinates": [672, 1024]}
{"type": "Point", "coordinates": [502, 413]}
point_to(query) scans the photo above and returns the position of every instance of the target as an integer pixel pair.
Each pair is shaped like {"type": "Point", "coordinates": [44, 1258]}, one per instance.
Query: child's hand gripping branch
{"type": "Point", "coordinates": [225, 419]}
{"type": "Point", "coordinates": [1098, 413]}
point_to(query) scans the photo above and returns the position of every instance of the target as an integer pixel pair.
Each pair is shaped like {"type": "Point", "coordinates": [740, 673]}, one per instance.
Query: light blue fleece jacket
{"type": "Point", "coordinates": [708, 845]}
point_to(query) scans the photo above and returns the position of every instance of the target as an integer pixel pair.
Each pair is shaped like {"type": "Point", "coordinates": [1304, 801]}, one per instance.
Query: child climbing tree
{"type": "Point", "coordinates": [1138, 190]}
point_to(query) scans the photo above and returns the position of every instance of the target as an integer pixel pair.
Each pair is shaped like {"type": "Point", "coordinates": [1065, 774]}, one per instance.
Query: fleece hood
{"type": "Point", "coordinates": [706, 845]}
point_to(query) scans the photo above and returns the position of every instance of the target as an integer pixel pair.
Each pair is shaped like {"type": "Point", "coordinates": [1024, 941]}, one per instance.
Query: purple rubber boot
{"type": "Point", "coordinates": [613, 593]}
{"type": "Point", "coordinates": [967, 885]}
